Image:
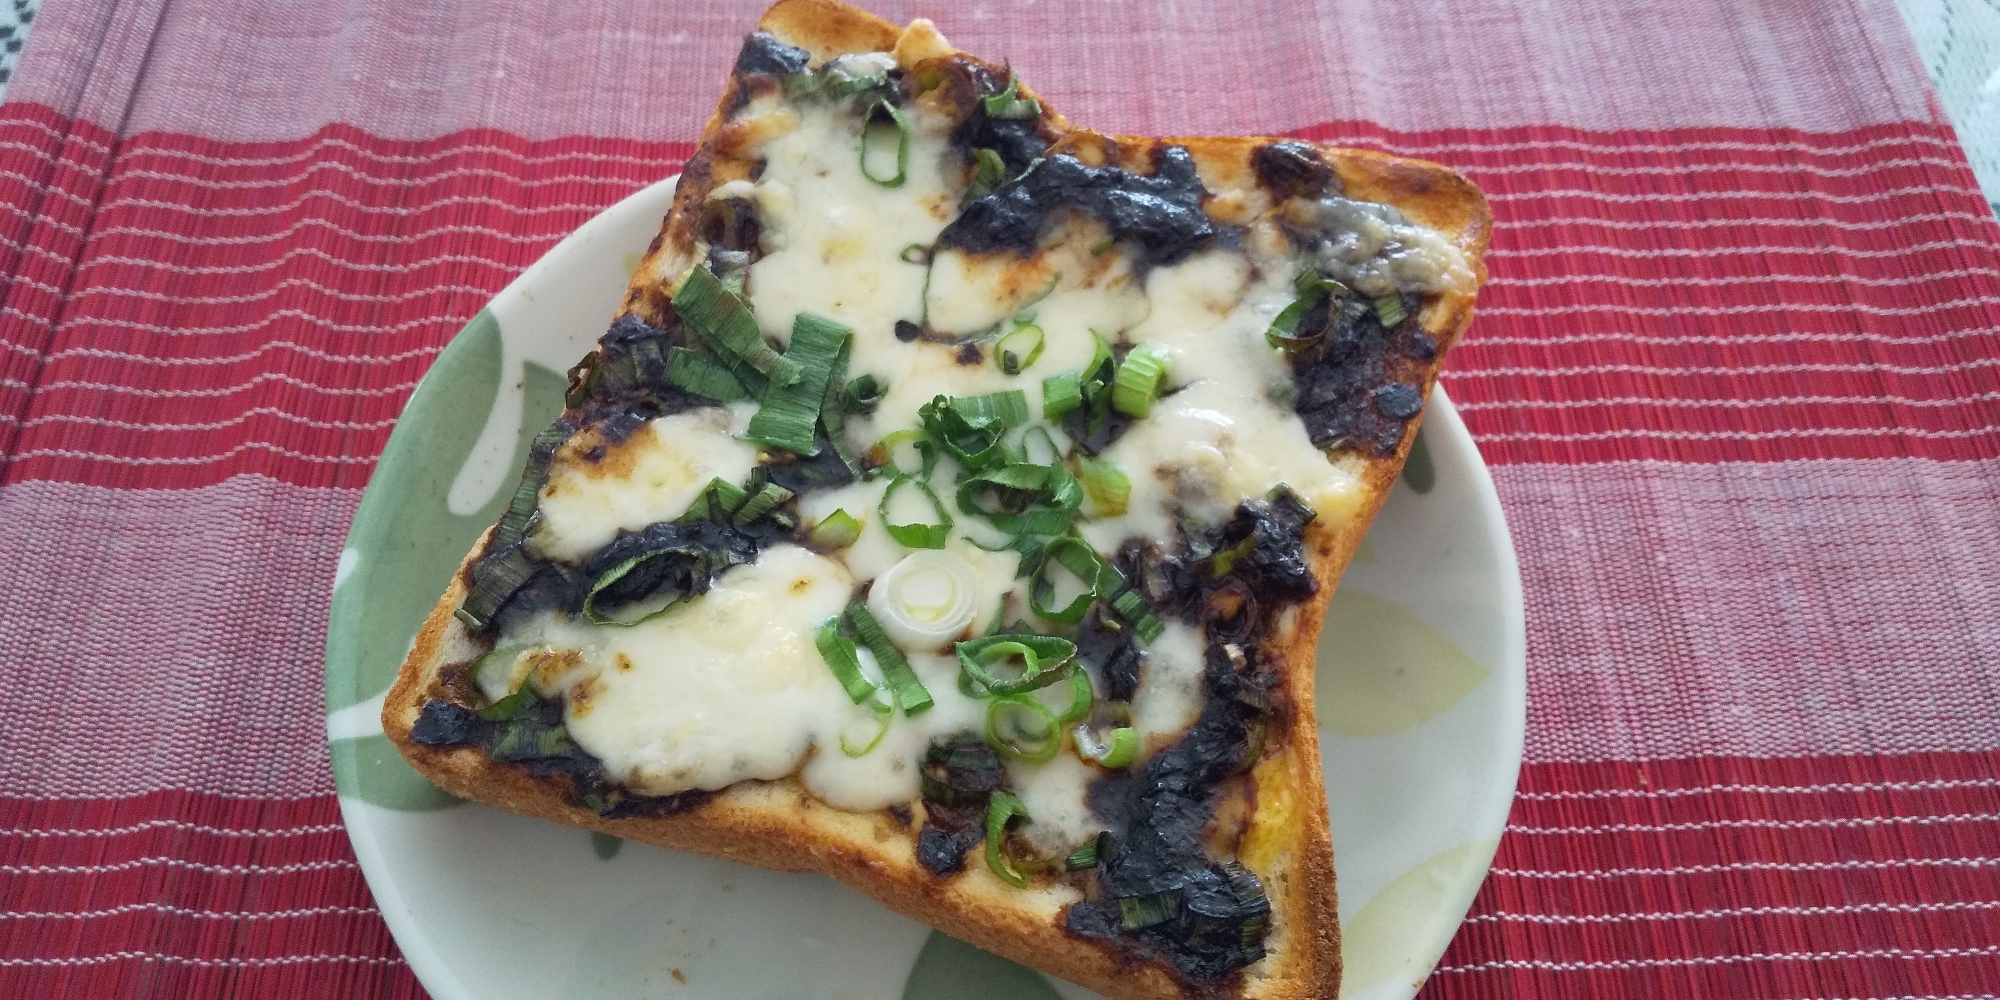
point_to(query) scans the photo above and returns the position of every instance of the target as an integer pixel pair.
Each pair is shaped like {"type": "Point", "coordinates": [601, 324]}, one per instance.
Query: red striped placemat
{"type": "Point", "coordinates": [1737, 375]}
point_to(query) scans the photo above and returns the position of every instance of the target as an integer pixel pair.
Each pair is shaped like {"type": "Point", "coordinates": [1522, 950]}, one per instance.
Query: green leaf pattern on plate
{"type": "Point", "coordinates": [1374, 946]}
{"type": "Point", "coordinates": [405, 541]}
{"type": "Point", "coordinates": [1382, 669]}
{"type": "Point", "coordinates": [369, 768]}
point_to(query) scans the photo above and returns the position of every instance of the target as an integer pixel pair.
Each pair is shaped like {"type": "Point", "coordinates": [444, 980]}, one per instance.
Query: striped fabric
{"type": "Point", "coordinates": [1737, 374]}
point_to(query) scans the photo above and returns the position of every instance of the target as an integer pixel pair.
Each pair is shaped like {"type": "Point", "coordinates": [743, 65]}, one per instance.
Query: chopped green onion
{"type": "Point", "coordinates": [989, 173]}
{"type": "Point", "coordinates": [528, 494]}
{"type": "Point", "coordinates": [869, 140]}
{"type": "Point", "coordinates": [1020, 348]}
{"type": "Point", "coordinates": [1222, 562]}
{"type": "Point", "coordinates": [842, 85]}
{"type": "Point", "coordinates": [883, 454]}
{"type": "Point", "coordinates": [1138, 380]}
{"type": "Point", "coordinates": [1074, 555]}
{"type": "Point", "coordinates": [1389, 309]}
{"type": "Point", "coordinates": [1133, 608]}
{"type": "Point", "coordinates": [837, 530]}
{"type": "Point", "coordinates": [1001, 807]}
{"type": "Point", "coordinates": [766, 500]}
{"type": "Point", "coordinates": [839, 653]}
{"type": "Point", "coordinates": [1114, 753]}
{"type": "Point", "coordinates": [832, 407]}
{"type": "Point", "coordinates": [973, 429]}
{"type": "Point", "coordinates": [701, 374]}
{"type": "Point", "coordinates": [1101, 245]}
{"type": "Point", "coordinates": [1061, 394]}
{"type": "Point", "coordinates": [724, 321]}
{"type": "Point", "coordinates": [1106, 485]}
{"type": "Point", "coordinates": [510, 706]}
{"type": "Point", "coordinates": [1047, 454]}
{"type": "Point", "coordinates": [910, 693]}
{"type": "Point", "coordinates": [1041, 659]}
{"type": "Point", "coordinates": [582, 379]}
{"type": "Point", "coordinates": [1024, 499]}
{"type": "Point", "coordinates": [495, 579]}
{"type": "Point", "coordinates": [789, 413]}
{"type": "Point", "coordinates": [863, 393]}
{"type": "Point", "coordinates": [1081, 696]}
{"type": "Point", "coordinates": [1008, 103]}
{"type": "Point", "coordinates": [885, 713]}
{"type": "Point", "coordinates": [917, 534]}
{"type": "Point", "coordinates": [720, 498]}
{"type": "Point", "coordinates": [1094, 851]}
{"type": "Point", "coordinates": [1150, 909]}
{"type": "Point", "coordinates": [1023, 729]}
{"type": "Point", "coordinates": [615, 574]}
{"type": "Point", "coordinates": [1312, 288]}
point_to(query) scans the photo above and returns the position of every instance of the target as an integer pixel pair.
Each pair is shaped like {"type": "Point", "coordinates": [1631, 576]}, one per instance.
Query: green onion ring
{"type": "Point", "coordinates": [919, 535]}
{"type": "Point", "coordinates": [1043, 656]}
{"type": "Point", "coordinates": [1000, 808]}
{"type": "Point", "coordinates": [902, 122]}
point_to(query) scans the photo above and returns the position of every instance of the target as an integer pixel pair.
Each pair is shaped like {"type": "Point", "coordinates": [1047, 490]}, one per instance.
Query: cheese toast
{"type": "Point", "coordinates": [952, 507]}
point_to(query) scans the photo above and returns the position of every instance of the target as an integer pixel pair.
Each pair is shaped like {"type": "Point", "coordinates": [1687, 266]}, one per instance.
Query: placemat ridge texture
{"type": "Point", "coordinates": [1737, 377]}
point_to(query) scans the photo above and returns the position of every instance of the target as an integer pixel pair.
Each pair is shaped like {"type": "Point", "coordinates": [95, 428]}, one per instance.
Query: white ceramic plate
{"type": "Point", "coordinates": [1421, 705]}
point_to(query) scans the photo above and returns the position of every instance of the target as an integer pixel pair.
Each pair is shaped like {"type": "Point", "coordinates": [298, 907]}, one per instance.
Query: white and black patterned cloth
{"type": "Point", "coordinates": [16, 17]}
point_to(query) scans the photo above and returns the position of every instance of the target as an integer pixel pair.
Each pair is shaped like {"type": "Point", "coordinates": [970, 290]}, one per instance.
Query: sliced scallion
{"type": "Point", "coordinates": [885, 713]}
{"type": "Point", "coordinates": [702, 375]}
{"type": "Point", "coordinates": [842, 85]}
{"type": "Point", "coordinates": [1022, 499]}
{"type": "Point", "coordinates": [762, 503]}
{"type": "Point", "coordinates": [1313, 288]}
{"type": "Point", "coordinates": [1009, 104]}
{"type": "Point", "coordinates": [528, 493]}
{"type": "Point", "coordinates": [582, 379]}
{"type": "Point", "coordinates": [1133, 608]}
{"type": "Point", "coordinates": [1020, 348]}
{"type": "Point", "coordinates": [1094, 851]}
{"type": "Point", "coordinates": [1061, 394]}
{"type": "Point", "coordinates": [837, 530]}
{"type": "Point", "coordinates": [789, 413]}
{"type": "Point", "coordinates": [1072, 554]}
{"type": "Point", "coordinates": [1001, 808]}
{"type": "Point", "coordinates": [1023, 729]}
{"type": "Point", "coordinates": [832, 410]}
{"type": "Point", "coordinates": [873, 139]}
{"type": "Point", "coordinates": [1114, 751]}
{"type": "Point", "coordinates": [1138, 380]}
{"type": "Point", "coordinates": [1106, 485]}
{"type": "Point", "coordinates": [719, 500]}
{"type": "Point", "coordinates": [724, 321]}
{"type": "Point", "coordinates": [1011, 664]}
{"type": "Point", "coordinates": [973, 429]}
{"type": "Point", "coordinates": [1150, 909]}
{"type": "Point", "coordinates": [911, 695]}
{"type": "Point", "coordinates": [844, 660]}
{"type": "Point", "coordinates": [916, 534]}
{"type": "Point", "coordinates": [494, 579]}
{"type": "Point", "coordinates": [615, 574]}
{"type": "Point", "coordinates": [1389, 309]}
{"type": "Point", "coordinates": [1081, 696]}
{"type": "Point", "coordinates": [506, 708]}
{"type": "Point", "coordinates": [883, 453]}
{"type": "Point", "coordinates": [989, 173]}
{"type": "Point", "coordinates": [863, 393]}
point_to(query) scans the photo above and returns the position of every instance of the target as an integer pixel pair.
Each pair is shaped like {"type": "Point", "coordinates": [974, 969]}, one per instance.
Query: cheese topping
{"type": "Point", "coordinates": [729, 685]}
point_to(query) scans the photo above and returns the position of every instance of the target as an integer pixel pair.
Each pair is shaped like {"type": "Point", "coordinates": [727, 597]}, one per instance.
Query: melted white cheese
{"type": "Point", "coordinates": [654, 475]}
{"type": "Point", "coordinates": [730, 687]}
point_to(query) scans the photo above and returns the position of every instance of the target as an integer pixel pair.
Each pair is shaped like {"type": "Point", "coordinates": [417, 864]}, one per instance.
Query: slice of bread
{"type": "Point", "coordinates": [1283, 836]}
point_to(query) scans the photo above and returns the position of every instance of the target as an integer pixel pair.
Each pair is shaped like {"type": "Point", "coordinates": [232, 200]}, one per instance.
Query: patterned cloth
{"type": "Point", "coordinates": [1735, 375]}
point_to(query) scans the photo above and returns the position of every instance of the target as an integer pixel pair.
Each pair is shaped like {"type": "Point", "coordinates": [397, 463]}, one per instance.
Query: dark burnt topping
{"type": "Point", "coordinates": [1293, 170]}
{"type": "Point", "coordinates": [763, 53]}
{"type": "Point", "coordinates": [536, 741]}
{"type": "Point", "coordinates": [1159, 213]}
{"type": "Point", "coordinates": [1359, 383]}
{"type": "Point", "coordinates": [959, 775]}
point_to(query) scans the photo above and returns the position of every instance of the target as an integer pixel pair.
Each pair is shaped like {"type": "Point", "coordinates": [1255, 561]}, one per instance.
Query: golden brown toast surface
{"type": "Point", "coordinates": [778, 825]}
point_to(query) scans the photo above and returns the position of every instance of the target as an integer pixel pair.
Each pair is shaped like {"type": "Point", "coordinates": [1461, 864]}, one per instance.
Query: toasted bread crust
{"type": "Point", "coordinates": [778, 825]}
